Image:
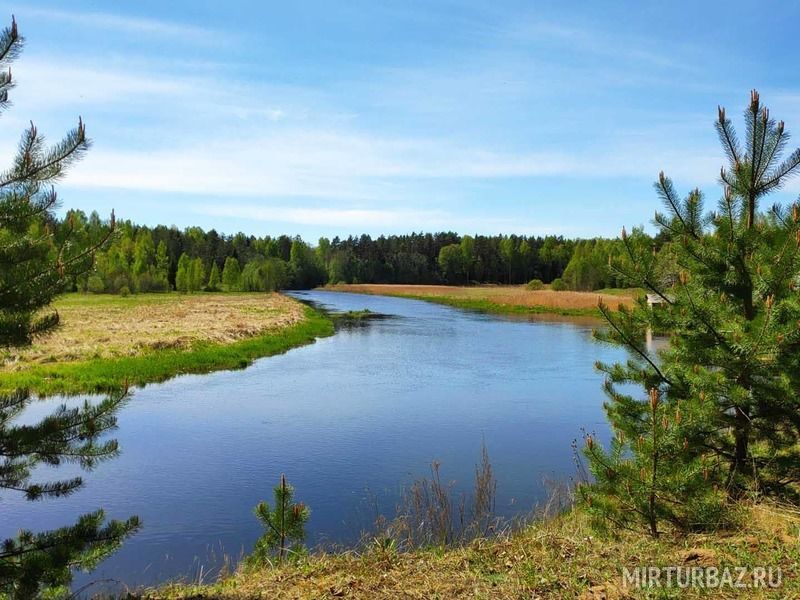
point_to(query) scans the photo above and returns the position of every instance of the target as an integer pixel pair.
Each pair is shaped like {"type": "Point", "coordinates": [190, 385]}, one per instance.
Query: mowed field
{"type": "Point", "coordinates": [106, 326]}
{"type": "Point", "coordinates": [106, 340]}
{"type": "Point", "coordinates": [496, 298]}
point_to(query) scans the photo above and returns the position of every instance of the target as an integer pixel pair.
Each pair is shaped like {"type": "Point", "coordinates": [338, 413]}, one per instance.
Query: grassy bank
{"type": "Point", "coordinates": [510, 300]}
{"type": "Point", "coordinates": [105, 341]}
{"type": "Point", "coordinates": [558, 558]}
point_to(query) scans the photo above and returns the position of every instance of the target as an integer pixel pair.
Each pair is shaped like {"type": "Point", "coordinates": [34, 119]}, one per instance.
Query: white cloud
{"type": "Point", "coordinates": [122, 24]}
{"type": "Point", "coordinates": [328, 217]}
{"type": "Point", "coordinates": [387, 220]}
{"type": "Point", "coordinates": [52, 84]}
{"type": "Point", "coordinates": [346, 164]}
{"type": "Point", "coordinates": [207, 135]}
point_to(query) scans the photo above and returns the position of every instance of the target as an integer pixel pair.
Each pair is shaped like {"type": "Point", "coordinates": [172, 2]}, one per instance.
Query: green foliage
{"type": "Point", "coordinates": [146, 259]}
{"type": "Point", "coordinates": [451, 263]}
{"type": "Point", "coordinates": [197, 275]}
{"type": "Point", "coordinates": [213, 279]}
{"type": "Point", "coordinates": [307, 270]}
{"type": "Point", "coordinates": [588, 268]}
{"type": "Point", "coordinates": [183, 277]}
{"type": "Point", "coordinates": [265, 275]}
{"type": "Point", "coordinates": [95, 285]}
{"type": "Point", "coordinates": [534, 285]}
{"type": "Point", "coordinates": [285, 526]}
{"type": "Point", "coordinates": [37, 263]}
{"type": "Point", "coordinates": [558, 285]}
{"type": "Point", "coordinates": [467, 247]}
{"type": "Point", "coordinates": [162, 259]}
{"type": "Point", "coordinates": [728, 382]}
{"type": "Point", "coordinates": [651, 475]}
{"type": "Point", "coordinates": [35, 563]}
{"type": "Point", "coordinates": [510, 254]}
{"type": "Point", "coordinates": [232, 275]}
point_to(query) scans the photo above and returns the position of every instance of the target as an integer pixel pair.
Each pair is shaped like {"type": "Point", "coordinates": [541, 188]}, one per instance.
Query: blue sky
{"type": "Point", "coordinates": [336, 118]}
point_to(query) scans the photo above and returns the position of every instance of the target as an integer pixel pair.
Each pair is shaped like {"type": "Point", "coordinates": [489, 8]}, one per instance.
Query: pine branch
{"type": "Point", "coordinates": [727, 136]}
{"type": "Point", "coordinates": [631, 344]}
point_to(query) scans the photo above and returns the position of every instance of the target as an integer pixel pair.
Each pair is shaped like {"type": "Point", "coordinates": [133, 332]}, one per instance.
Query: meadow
{"type": "Point", "coordinates": [105, 341]}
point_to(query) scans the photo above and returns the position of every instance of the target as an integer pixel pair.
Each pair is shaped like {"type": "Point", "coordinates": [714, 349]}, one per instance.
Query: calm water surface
{"type": "Point", "coordinates": [349, 419]}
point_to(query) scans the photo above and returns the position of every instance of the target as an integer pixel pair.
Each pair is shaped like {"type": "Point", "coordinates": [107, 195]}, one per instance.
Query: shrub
{"type": "Point", "coordinates": [119, 282]}
{"type": "Point", "coordinates": [558, 285]}
{"type": "Point", "coordinates": [95, 285]}
{"type": "Point", "coordinates": [535, 284]}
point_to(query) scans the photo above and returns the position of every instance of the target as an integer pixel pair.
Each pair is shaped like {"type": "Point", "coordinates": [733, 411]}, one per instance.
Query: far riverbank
{"type": "Point", "coordinates": [501, 299]}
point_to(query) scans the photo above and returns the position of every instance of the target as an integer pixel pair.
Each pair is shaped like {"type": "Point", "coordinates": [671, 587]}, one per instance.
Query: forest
{"type": "Point", "coordinates": [141, 259]}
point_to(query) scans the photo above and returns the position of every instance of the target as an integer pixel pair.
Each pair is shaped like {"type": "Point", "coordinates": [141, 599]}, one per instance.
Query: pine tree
{"type": "Point", "coordinates": [285, 525]}
{"type": "Point", "coordinates": [213, 278]}
{"type": "Point", "coordinates": [232, 275]}
{"type": "Point", "coordinates": [729, 380]}
{"type": "Point", "coordinates": [34, 268]}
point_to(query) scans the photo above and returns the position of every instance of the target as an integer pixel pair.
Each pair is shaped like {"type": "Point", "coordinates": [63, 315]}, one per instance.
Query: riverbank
{"type": "Point", "coordinates": [500, 299]}
{"type": "Point", "coordinates": [561, 557]}
{"type": "Point", "coordinates": [105, 340]}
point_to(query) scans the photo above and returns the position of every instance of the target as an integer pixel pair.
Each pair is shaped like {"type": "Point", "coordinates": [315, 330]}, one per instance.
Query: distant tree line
{"type": "Point", "coordinates": [142, 259]}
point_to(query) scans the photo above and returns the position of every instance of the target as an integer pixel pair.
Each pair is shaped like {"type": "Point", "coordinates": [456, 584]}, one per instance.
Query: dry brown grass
{"type": "Point", "coordinates": [550, 560]}
{"type": "Point", "coordinates": [508, 295]}
{"type": "Point", "coordinates": [114, 326]}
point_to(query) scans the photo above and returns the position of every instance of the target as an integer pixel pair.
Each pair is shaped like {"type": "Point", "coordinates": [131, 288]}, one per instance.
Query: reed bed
{"type": "Point", "coordinates": [500, 298]}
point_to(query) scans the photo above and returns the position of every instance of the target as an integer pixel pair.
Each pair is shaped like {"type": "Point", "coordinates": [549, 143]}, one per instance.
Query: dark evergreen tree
{"type": "Point", "coordinates": [729, 381]}
{"type": "Point", "coordinates": [35, 265]}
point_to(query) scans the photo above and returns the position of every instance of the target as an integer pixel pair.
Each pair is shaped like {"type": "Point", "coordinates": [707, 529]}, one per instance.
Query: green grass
{"type": "Point", "coordinates": [106, 374]}
{"type": "Point", "coordinates": [634, 292]}
{"type": "Point", "coordinates": [489, 307]}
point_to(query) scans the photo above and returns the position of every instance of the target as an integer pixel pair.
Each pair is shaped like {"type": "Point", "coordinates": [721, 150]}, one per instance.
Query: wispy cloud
{"type": "Point", "coordinates": [344, 217]}
{"type": "Point", "coordinates": [207, 135]}
{"type": "Point", "coordinates": [346, 165]}
{"type": "Point", "coordinates": [385, 220]}
{"type": "Point", "coordinates": [123, 24]}
{"type": "Point", "coordinates": [456, 135]}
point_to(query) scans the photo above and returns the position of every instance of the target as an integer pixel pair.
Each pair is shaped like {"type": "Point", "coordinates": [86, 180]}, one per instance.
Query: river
{"type": "Point", "coordinates": [349, 419]}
